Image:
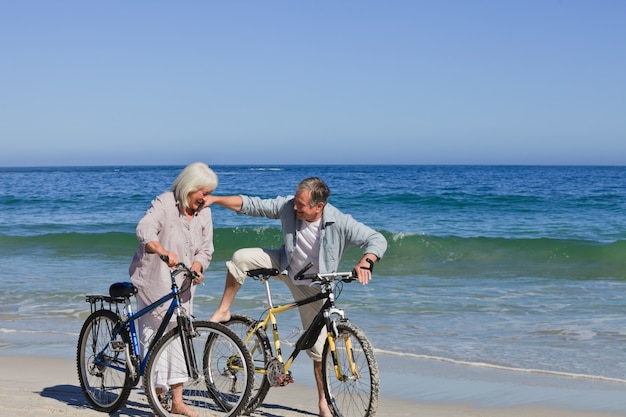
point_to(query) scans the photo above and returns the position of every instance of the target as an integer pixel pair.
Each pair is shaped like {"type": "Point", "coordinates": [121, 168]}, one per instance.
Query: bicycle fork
{"type": "Point", "coordinates": [186, 336]}
{"type": "Point", "coordinates": [332, 337]}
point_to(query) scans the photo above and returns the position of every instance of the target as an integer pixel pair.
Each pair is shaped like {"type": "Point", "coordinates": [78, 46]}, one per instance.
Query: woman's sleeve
{"type": "Point", "coordinates": [151, 223]}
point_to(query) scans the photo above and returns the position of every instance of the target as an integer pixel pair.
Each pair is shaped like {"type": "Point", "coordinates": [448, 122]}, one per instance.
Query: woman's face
{"type": "Point", "coordinates": [197, 199]}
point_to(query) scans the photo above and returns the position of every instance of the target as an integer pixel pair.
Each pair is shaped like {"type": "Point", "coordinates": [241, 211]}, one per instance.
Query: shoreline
{"type": "Point", "coordinates": [48, 386]}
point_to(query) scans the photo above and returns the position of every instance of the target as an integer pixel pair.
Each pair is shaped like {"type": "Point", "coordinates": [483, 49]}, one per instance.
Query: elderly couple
{"type": "Point", "coordinates": [178, 224]}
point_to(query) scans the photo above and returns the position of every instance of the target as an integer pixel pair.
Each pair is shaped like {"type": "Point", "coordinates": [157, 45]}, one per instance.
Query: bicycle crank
{"type": "Point", "coordinates": [275, 372]}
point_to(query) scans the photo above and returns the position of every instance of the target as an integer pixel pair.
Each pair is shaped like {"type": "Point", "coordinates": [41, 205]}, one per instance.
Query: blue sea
{"type": "Point", "coordinates": [518, 268]}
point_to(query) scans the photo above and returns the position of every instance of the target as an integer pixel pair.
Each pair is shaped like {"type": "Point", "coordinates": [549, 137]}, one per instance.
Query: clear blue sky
{"type": "Point", "coordinates": [291, 82]}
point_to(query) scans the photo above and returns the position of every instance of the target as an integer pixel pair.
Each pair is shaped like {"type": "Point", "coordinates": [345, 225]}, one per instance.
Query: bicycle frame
{"type": "Point", "coordinates": [128, 322]}
{"type": "Point", "coordinates": [309, 337]}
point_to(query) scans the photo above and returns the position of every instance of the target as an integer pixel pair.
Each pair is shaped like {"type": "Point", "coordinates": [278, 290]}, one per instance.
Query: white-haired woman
{"type": "Point", "coordinates": [179, 225]}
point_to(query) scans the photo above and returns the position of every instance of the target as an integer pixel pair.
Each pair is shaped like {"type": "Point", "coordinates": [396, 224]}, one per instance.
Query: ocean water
{"type": "Point", "coordinates": [518, 268]}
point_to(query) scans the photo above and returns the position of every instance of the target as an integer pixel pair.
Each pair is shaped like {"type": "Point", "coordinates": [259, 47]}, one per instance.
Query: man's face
{"type": "Point", "coordinates": [303, 209]}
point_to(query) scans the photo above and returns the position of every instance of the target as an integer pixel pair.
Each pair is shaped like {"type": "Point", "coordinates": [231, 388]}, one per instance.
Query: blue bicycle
{"type": "Point", "coordinates": [211, 362]}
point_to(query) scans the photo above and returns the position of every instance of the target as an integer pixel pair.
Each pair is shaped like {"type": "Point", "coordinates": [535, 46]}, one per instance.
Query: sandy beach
{"type": "Point", "coordinates": [40, 386]}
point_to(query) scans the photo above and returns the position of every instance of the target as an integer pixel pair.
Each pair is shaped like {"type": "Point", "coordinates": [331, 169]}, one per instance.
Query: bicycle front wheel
{"type": "Point", "coordinates": [259, 347]}
{"type": "Point", "coordinates": [350, 373]}
{"type": "Point", "coordinates": [101, 362]}
{"type": "Point", "coordinates": [218, 384]}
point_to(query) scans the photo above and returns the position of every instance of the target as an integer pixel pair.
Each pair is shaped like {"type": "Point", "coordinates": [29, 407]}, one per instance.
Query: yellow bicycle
{"type": "Point", "coordinates": [349, 368]}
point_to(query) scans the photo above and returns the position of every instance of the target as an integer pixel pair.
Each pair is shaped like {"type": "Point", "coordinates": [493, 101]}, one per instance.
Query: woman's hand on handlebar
{"type": "Point", "coordinates": [198, 277]}
{"type": "Point", "coordinates": [170, 258]}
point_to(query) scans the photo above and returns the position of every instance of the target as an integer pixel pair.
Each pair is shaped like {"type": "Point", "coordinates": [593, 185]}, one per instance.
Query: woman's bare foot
{"type": "Point", "coordinates": [185, 410]}
{"type": "Point", "coordinates": [178, 405]}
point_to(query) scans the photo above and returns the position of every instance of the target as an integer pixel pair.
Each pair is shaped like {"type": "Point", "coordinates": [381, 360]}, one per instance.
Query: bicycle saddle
{"type": "Point", "coordinates": [122, 289]}
{"type": "Point", "coordinates": [263, 271]}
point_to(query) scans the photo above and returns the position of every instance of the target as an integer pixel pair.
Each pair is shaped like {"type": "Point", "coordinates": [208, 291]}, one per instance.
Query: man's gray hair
{"type": "Point", "coordinates": [318, 188]}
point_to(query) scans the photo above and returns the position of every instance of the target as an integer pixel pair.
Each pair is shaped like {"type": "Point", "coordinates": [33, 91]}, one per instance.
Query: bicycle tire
{"type": "Point", "coordinates": [102, 370]}
{"type": "Point", "coordinates": [356, 395]}
{"type": "Point", "coordinates": [218, 390]}
{"type": "Point", "coordinates": [261, 352]}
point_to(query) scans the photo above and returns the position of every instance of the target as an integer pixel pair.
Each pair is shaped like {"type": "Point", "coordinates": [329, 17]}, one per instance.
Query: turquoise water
{"type": "Point", "coordinates": [512, 267]}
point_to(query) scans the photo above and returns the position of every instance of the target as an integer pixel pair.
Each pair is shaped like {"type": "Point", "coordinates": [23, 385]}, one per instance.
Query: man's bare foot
{"type": "Point", "coordinates": [324, 410]}
{"type": "Point", "coordinates": [185, 410]}
{"type": "Point", "coordinates": [219, 317]}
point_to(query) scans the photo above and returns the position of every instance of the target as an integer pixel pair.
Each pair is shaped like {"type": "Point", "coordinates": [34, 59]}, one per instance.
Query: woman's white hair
{"type": "Point", "coordinates": [192, 178]}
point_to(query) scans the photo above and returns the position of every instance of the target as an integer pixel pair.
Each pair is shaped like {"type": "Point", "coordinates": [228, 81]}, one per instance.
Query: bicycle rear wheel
{"type": "Point", "coordinates": [101, 362]}
{"type": "Point", "coordinates": [260, 350]}
{"type": "Point", "coordinates": [350, 373]}
{"type": "Point", "coordinates": [224, 376]}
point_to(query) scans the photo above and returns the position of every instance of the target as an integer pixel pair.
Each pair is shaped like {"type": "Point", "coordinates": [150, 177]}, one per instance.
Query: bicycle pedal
{"type": "Point", "coordinates": [285, 380]}
{"type": "Point", "coordinates": [166, 401]}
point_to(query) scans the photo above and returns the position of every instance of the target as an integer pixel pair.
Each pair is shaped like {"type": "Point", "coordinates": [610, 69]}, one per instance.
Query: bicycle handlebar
{"type": "Point", "coordinates": [317, 277]}
{"type": "Point", "coordinates": [330, 276]}
{"type": "Point", "coordinates": [180, 267]}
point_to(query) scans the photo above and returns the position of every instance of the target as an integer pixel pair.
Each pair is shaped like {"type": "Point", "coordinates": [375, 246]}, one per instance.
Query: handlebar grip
{"type": "Point", "coordinates": [305, 276]}
{"type": "Point", "coordinates": [300, 275]}
{"type": "Point", "coordinates": [164, 258]}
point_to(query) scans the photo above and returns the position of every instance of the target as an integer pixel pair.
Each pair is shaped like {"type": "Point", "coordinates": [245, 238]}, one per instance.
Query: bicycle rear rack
{"type": "Point", "coordinates": [105, 302]}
